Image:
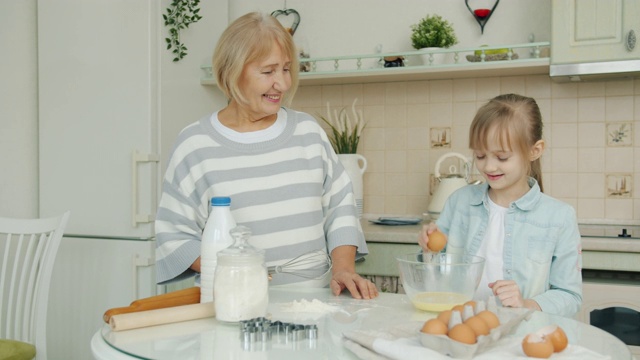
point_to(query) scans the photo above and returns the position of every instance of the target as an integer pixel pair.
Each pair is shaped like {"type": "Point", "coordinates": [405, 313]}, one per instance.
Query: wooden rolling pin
{"type": "Point", "coordinates": [175, 298]}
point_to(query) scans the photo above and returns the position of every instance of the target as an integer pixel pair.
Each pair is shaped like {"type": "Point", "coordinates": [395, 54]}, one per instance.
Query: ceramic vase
{"type": "Point", "coordinates": [355, 165]}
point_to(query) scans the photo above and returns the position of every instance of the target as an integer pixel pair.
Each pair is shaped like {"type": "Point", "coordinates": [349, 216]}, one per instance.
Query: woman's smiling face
{"type": "Point", "coordinates": [264, 83]}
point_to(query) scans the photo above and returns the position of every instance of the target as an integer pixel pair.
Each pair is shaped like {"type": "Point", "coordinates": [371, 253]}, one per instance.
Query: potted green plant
{"type": "Point", "coordinates": [345, 131]}
{"type": "Point", "coordinates": [344, 134]}
{"type": "Point", "coordinates": [433, 31]}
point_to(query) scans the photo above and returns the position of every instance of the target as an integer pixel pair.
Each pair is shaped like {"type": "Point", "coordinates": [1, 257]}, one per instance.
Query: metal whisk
{"type": "Point", "coordinates": [306, 265]}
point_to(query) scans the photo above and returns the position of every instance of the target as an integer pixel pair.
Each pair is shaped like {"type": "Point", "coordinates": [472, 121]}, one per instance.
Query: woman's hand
{"type": "Point", "coordinates": [509, 295]}
{"type": "Point", "coordinates": [423, 237]}
{"type": "Point", "coordinates": [359, 287]}
{"type": "Point", "coordinates": [196, 265]}
{"type": "Point", "coordinates": [344, 275]}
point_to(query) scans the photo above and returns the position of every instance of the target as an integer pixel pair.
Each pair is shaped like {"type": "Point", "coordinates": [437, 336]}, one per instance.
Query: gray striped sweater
{"type": "Point", "coordinates": [291, 191]}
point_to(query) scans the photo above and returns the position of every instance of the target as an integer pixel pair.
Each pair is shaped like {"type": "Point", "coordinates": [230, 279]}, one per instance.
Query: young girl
{"type": "Point", "coordinates": [530, 241]}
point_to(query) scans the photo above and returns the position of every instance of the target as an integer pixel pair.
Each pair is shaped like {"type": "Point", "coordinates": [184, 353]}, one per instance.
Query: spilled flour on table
{"type": "Point", "coordinates": [305, 306]}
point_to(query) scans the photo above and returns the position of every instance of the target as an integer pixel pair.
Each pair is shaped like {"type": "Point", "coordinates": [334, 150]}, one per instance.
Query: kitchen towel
{"type": "Point", "coordinates": [402, 343]}
{"type": "Point", "coordinates": [161, 316]}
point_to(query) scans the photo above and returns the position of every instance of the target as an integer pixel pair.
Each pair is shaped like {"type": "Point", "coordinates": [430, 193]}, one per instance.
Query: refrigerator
{"type": "Point", "coordinates": [111, 103]}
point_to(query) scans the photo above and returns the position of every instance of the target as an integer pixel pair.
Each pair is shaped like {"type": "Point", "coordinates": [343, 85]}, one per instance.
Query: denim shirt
{"type": "Point", "coordinates": [542, 247]}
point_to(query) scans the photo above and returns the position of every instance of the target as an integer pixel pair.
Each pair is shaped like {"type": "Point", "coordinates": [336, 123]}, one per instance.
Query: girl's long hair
{"type": "Point", "coordinates": [518, 124]}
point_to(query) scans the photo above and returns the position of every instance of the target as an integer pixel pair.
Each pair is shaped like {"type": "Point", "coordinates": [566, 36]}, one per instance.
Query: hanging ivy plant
{"type": "Point", "coordinates": [180, 14]}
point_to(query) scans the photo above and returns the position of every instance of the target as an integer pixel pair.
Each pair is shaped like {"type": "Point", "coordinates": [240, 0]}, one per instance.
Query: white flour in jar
{"type": "Point", "coordinates": [240, 293]}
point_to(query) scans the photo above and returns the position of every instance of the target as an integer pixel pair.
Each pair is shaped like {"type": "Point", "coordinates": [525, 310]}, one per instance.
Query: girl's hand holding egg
{"type": "Point", "coordinates": [437, 241]}
{"type": "Point", "coordinates": [431, 239]}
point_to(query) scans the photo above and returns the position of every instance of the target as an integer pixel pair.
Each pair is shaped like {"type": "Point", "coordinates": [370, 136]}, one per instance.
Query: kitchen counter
{"type": "Point", "coordinates": [400, 234]}
{"type": "Point", "coordinates": [408, 234]}
{"type": "Point", "coordinates": [602, 249]}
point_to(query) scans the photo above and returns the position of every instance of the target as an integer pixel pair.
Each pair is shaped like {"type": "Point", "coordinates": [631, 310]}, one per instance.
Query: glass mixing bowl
{"type": "Point", "coordinates": [438, 282]}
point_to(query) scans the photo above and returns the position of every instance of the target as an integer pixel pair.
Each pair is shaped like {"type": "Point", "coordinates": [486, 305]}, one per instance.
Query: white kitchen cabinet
{"type": "Point", "coordinates": [381, 260]}
{"type": "Point", "coordinates": [90, 276]}
{"type": "Point", "coordinates": [111, 103]}
{"type": "Point", "coordinates": [586, 31]}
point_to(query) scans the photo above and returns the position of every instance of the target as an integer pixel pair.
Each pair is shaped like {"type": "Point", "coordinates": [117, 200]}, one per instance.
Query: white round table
{"type": "Point", "coordinates": [209, 338]}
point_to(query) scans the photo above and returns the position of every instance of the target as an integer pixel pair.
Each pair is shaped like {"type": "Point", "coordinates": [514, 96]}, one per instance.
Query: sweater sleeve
{"type": "Point", "coordinates": [179, 223]}
{"type": "Point", "coordinates": [564, 296]}
{"type": "Point", "coordinates": [177, 236]}
{"type": "Point", "coordinates": [342, 225]}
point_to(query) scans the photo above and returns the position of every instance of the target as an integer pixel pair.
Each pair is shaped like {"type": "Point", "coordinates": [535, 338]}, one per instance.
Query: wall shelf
{"type": "Point", "coordinates": [349, 69]}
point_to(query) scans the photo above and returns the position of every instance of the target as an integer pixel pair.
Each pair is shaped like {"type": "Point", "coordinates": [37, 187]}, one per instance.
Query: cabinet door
{"type": "Point", "coordinates": [97, 79]}
{"type": "Point", "coordinates": [381, 259]}
{"type": "Point", "coordinates": [593, 30]}
{"type": "Point", "coordinates": [89, 277]}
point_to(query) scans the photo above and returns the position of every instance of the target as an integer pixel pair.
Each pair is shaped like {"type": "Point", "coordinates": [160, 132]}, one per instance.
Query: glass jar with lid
{"type": "Point", "coordinates": [241, 280]}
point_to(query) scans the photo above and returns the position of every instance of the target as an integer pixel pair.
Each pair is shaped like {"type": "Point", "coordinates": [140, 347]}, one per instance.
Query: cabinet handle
{"type": "Point", "coordinates": [135, 160]}
{"type": "Point", "coordinates": [136, 263]}
{"type": "Point", "coordinates": [631, 40]}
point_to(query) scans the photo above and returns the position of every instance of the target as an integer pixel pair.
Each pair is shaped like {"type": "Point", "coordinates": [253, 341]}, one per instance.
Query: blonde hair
{"type": "Point", "coordinates": [517, 122]}
{"type": "Point", "coordinates": [250, 38]}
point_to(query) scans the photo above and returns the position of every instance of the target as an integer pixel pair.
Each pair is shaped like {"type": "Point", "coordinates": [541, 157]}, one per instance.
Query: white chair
{"type": "Point", "coordinates": [28, 249]}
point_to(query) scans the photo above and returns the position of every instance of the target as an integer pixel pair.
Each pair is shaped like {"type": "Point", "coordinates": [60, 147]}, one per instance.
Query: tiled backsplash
{"type": "Point", "coordinates": [592, 160]}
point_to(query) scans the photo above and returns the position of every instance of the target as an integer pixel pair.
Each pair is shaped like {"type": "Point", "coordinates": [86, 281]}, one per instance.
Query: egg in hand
{"type": "Point", "coordinates": [437, 241]}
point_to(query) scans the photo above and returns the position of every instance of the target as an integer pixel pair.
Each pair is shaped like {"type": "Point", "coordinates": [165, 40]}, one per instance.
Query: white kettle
{"type": "Point", "coordinates": [447, 184]}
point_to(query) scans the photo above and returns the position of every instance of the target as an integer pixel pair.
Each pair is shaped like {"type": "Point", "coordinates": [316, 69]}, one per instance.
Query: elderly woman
{"type": "Point", "coordinates": [285, 181]}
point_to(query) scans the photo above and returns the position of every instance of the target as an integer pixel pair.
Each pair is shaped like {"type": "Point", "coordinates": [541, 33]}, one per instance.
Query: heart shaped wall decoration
{"type": "Point", "coordinates": [482, 15]}
{"type": "Point", "coordinates": [286, 12]}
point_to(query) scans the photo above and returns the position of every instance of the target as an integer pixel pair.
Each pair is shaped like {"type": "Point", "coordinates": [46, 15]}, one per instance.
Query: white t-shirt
{"type": "Point", "coordinates": [492, 249]}
{"type": "Point", "coordinates": [252, 137]}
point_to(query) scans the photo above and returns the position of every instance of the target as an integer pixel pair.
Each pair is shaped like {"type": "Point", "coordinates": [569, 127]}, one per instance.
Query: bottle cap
{"type": "Point", "coordinates": [220, 201]}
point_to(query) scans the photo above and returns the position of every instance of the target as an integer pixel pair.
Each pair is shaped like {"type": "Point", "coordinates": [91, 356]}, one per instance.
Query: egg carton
{"type": "Point", "coordinates": [509, 320]}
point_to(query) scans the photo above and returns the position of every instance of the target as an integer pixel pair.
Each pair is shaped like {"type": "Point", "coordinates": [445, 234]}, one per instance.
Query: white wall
{"type": "Point", "coordinates": [338, 27]}
{"type": "Point", "coordinates": [330, 27]}
{"type": "Point", "coordinates": [182, 99]}
{"type": "Point", "coordinates": [18, 110]}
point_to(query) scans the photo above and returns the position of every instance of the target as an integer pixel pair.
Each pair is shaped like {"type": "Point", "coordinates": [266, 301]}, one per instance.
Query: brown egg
{"type": "Point", "coordinates": [490, 318]}
{"type": "Point", "coordinates": [472, 303]}
{"type": "Point", "coordinates": [459, 308]}
{"type": "Point", "coordinates": [478, 325]}
{"type": "Point", "coordinates": [435, 327]}
{"type": "Point", "coordinates": [463, 333]}
{"type": "Point", "coordinates": [556, 335]}
{"type": "Point", "coordinates": [437, 241]}
{"type": "Point", "coordinates": [533, 345]}
{"type": "Point", "coordinates": [445, 316]}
